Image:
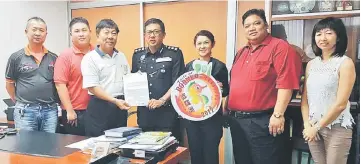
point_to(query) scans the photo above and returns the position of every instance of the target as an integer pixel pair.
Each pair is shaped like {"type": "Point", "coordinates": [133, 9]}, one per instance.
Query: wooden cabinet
{"type": "Point", "coordinates": [294, 21]}
{"type": "Point", "coordinates": [296, 25]}
{"type": "Point", "coordinates": [297, 28]}
{"type": "Point", "coordinates": [312, 9]}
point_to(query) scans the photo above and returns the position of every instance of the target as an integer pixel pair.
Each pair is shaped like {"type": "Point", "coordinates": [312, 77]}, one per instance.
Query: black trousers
{"type": "Point", "coordinates": [103, 115]}
{"type": "Point", "coordinates": [161, 119]}
{"type": "Point", "coordinates": [79, 129]}
{"type": "Point", "coordinates": [252, 143]}
{"type": "Point", "coordinates": [203, 140]}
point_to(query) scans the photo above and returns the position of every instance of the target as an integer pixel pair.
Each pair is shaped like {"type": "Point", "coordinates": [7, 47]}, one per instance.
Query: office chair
{"type": "Point", "coordinates": [9, 112]}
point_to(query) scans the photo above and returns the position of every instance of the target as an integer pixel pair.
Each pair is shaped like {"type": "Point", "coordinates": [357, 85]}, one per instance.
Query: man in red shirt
{"type": "Point", "coordinates": [263, 76]}
{"type": "Point", "coordinates": [68, 78]}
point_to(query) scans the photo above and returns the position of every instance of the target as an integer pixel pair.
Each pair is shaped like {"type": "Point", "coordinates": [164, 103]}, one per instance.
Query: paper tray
{"type": "Point", "coordinates": [157, 155]}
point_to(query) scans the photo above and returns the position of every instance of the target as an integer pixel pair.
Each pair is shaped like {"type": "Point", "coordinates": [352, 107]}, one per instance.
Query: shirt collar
{"type": "Point", "coordinates": [265, 41]}
{"type": "Point", "coordinates": [77, 51]}
{"type": "Point", "coordinates": [29, 52]}
{"type": "Point", "coordinates": [210, 59]}
{"type": "Point", "coordinates": [101, 53]}
{"type": "Point", "coordinates": [158, 52]}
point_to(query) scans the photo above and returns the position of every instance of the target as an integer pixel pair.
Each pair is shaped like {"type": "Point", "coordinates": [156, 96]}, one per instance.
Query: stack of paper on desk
{"type": "Point", "coordinates": [171, 140]}
{"type": "Point", "coordinates": [122, 131]}
{"type": "Point", "coordinates": [103, 138]}
{"type": "Point", "coordinates": [151, 138]}
{"type": "Point", "coordinates": [88, 144]}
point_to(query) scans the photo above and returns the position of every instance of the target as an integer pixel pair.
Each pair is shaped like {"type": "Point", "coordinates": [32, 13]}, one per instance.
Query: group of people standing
{"type": "Point", "coordinates": [87, 80]}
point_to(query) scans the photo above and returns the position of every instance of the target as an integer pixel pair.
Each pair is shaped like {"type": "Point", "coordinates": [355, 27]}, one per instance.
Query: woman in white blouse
{"type": "Point", "coordinates": [325, 106]}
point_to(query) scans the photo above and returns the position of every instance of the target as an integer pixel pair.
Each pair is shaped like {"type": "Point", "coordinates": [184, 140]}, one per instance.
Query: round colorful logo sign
{"type": "Point", "coordinates": [196, 96]}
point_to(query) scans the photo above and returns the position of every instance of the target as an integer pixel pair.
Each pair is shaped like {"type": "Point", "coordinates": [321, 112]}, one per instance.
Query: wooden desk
{"type": "Point", "coordinates": [4, 120]}
{"type": "Point", "coordinates": [77, 158]}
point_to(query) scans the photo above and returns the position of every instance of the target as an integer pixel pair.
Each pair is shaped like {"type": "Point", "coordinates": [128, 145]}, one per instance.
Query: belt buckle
{"type": "Point", "coordinates": [234, 114]}
{"type": "Point", "coordinates": [242, 114]}
{"type": "Point", "coordinates": [237, 114]}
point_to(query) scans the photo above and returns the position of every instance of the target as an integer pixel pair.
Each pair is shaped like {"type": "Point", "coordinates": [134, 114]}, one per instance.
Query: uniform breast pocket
{"type": "Point", "coordinates": [164, 69]}
{"type": "Point", "coordinates": [260, 70]}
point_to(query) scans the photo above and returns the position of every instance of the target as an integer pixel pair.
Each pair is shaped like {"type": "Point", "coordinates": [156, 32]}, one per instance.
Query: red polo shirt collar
{"type": "Point", "coordinates": [265, 42]}
{"type": "Point", "coordinates": [76, 50]}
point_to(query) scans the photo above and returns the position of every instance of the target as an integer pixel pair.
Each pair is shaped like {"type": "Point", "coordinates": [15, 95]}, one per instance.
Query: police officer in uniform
{"type": "Point", "coordinates": [163, 64]}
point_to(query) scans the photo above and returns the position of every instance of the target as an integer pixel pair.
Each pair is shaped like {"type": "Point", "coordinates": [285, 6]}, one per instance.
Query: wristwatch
{"type": "Point", "coordinates": [277, 115]}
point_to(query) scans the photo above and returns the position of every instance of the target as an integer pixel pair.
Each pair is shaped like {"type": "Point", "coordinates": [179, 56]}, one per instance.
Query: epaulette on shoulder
{"type": "Point", "coordinates": [139, 49]}
{"type": "Point", "coordinates": [175, 49]}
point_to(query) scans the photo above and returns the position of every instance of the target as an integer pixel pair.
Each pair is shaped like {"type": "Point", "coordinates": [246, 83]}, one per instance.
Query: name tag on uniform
{"type": "Point", "coordinates": [165, 59]}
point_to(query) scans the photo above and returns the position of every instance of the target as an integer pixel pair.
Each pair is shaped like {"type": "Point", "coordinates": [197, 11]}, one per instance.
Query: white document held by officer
{"type": "Point", "coordinates": [136, 91]}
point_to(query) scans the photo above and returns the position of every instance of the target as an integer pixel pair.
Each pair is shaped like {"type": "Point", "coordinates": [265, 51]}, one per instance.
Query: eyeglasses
{"type": "Point", "coordinates": [154, 32]}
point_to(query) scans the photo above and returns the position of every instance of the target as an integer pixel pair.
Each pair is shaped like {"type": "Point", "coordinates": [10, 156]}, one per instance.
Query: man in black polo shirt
{"type": "Point", "coordinates": [29, 81]}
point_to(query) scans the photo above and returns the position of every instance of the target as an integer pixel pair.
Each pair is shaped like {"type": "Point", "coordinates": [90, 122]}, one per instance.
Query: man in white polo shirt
{"type": "Point", "coordinates": [103, 70]}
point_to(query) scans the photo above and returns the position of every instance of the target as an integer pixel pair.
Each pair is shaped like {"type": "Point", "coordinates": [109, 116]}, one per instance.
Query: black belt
{"type": "Point", "coordinates": [245, 114]}
{"type": "Point", "coordinates": [119, 97]}
{"type": "Point", "coordinates": [42, 105]}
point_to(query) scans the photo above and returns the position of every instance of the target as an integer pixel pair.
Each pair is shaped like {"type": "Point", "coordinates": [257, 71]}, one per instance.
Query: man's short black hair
{"type": "Point", "coordinates": [106, 23]}
{"type": "Point", "coordinates": [38, 19]}
{"type": "Point", "coordinates": [205, 33]}
{"type": "Point", "coordinates": [258, 12]}
{"type": "Point", "coordinates": [336, 25]}
{"type": "Point", "coordinates": [155, 21]}
{"type": "Point", "coordinates": [78, 20]}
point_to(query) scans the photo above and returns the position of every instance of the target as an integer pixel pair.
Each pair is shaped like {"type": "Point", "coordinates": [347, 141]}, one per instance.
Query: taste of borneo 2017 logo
{"type": "Point", "coordinates": [196, 96]}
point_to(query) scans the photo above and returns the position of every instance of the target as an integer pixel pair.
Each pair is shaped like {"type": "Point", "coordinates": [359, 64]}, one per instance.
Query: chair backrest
{"type": "Point", "coordinates": [299, 144]}
{"type": "Point", "coordinates": [9, 102]}
{"type": "Point", "coordinates": [10, 110]}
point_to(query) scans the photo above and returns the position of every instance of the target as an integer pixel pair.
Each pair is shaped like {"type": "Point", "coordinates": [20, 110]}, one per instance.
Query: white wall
{"type": "Point", "coordinates": [13, 17]}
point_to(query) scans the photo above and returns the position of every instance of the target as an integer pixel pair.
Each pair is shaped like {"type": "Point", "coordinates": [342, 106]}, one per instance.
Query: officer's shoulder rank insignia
{"type": "Point", "coordinates": [139, 49]}
{"type": "Point", "coordinates": [172, 48]}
